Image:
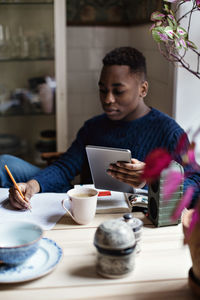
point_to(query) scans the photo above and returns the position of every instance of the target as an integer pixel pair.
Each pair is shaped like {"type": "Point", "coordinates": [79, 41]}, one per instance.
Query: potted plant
{"type": "Point", "coordinates": [174, 42]}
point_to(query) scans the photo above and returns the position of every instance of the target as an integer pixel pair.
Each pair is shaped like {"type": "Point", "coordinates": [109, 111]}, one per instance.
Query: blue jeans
{"type": "Point", "coordinates": [21, 170]}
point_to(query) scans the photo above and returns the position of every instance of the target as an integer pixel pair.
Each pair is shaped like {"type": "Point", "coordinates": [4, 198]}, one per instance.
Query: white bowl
{"type": "Point", "coordinates": [18, 241]}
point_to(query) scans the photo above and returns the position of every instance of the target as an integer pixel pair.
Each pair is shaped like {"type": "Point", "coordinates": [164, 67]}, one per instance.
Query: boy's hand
{"type": "Point", "coordinates": [129, 173]}
{"type": "Point", "coordinates": [28, 190]}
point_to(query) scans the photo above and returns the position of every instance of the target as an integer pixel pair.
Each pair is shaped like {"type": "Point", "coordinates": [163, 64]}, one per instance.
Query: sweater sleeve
{"type": "Point", "coordinates": [57, 177]}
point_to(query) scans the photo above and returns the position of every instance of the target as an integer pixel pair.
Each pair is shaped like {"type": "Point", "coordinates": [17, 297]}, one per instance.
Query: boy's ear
{"type": "Point", "coordinates": [144, 89]}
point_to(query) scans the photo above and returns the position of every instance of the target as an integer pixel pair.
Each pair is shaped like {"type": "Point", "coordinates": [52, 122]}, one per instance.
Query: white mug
{"type": "Point", "coordinates": [83, 202]}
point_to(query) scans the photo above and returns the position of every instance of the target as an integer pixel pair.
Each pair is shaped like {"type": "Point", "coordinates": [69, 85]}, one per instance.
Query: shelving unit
{"type": "Point", "coordinates": [25, 59]}
{"type": "Point", "coordinates": [29, 30]}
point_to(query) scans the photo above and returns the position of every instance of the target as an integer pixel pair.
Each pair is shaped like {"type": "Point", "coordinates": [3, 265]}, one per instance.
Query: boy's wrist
{"type": "Point", "coordinates": [34, 185]}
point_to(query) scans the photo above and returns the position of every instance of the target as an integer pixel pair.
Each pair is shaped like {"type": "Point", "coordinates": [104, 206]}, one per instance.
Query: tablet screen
{"type": "Point", "coordinates": [99, 159]}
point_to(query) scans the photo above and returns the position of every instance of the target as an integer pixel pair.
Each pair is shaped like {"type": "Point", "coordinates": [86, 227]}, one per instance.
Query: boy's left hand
{"type": "Point", "coordinates": [129, 173]}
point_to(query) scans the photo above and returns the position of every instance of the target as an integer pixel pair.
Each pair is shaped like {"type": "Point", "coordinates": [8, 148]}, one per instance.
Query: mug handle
{"type": "Point", "coordinates": [67, 210]}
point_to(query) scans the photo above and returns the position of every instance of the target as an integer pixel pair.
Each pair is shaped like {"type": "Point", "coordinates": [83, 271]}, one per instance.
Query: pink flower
{"type": "Point", "coordinates": [191, 156]}
{"type": "Point", "coordinates": [156, 161]}
{"type": "Point", "coordinates": [198, 3]}
{"type": "Point", "coordinates": [182, 143]}
{"type": "Point", "coordinates": [188, 157]}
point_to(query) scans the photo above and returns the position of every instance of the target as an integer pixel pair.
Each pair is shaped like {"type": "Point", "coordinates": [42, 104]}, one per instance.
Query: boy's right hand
{"type": "Point", "coordinates": [28, 190]}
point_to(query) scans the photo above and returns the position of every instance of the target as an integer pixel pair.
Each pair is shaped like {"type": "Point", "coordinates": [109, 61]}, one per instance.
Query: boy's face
{"type": "Point", "coordinates": [121, 92]}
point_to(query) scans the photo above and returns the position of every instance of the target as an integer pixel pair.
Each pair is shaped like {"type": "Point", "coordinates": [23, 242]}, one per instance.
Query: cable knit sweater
{"type": "Point", "coordinates": [140, 136]}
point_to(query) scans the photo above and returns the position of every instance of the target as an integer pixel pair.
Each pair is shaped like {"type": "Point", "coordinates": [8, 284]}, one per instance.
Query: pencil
{"type": "Point", "coordinates": [15, 184]}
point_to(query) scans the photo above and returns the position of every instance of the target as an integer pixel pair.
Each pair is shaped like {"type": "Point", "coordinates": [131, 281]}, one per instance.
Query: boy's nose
{"type": "Point", "coordinates": [109, 98]}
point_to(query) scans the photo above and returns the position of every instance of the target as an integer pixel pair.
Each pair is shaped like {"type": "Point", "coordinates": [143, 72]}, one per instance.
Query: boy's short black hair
{"type": "Point", "coordinates": [127, 56]}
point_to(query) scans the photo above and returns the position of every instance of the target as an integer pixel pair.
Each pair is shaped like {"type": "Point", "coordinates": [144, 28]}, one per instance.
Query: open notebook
{"type": "Point", "coordinates": [47, 207]}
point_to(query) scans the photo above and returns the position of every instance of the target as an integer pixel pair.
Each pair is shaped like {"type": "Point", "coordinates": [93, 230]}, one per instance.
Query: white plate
{"type": "Point", "coordinates": [41, 263]}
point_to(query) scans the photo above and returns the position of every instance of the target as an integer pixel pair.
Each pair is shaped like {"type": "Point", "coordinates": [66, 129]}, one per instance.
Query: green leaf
{"type": "Point", "coordinates": [169, 31]}
{"type": "Point", "coordinates": [172, 13]}
{"type": "Point", "coordinates": [156, 36]}
{"type": "Point", "coordinates": [159, 34]}
{"type": "Point", "coordinates": [183, 43]}
{"type": "Point", "coordinates": [166, 8]}
{"type": "Point", "coordinates": [156, 16]}
{"type": "Point", "coordinates": [177, 44]}
{"type": "Point", "coordinates": [172, 19]}
{"type": "Point", "coordinates": [191, 44]}
{"type": "Point", "coordinates": [170, 22]}
{"type": "Point", "coordinates": [181, 32]}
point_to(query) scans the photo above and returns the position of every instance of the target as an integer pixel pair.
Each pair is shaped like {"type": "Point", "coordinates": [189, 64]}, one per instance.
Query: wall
{"type": "Point", "coordinates": [160, 72]}
{"type": "Point", "coordinates": [86, 47]}
{"type": "Point", "coordinates": [186, 89]}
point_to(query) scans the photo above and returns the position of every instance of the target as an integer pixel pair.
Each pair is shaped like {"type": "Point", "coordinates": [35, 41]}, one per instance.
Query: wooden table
{"type": "Point", "coordinates": [161, 268]}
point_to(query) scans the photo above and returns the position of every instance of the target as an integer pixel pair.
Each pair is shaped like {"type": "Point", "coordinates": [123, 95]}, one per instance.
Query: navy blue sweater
{"type": "Point", "coordinates": [140, 136]}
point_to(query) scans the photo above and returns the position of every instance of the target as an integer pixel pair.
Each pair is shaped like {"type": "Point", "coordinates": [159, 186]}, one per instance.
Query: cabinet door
{"type": "Point", "coordinates": [27, 78]}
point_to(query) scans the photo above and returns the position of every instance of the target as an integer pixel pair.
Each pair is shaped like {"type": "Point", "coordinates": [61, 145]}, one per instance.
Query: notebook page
{"type": "Point", "coordinates": [46, 209]}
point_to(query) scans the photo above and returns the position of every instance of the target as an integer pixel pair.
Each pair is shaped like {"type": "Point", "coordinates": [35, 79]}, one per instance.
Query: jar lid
{"type": "Point", "coordinates": [114, 234]}
{"type": "Point", "coordinates": [135, 223]}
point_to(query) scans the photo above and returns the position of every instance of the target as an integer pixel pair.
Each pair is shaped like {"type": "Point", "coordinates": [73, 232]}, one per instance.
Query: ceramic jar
{"type": "Point", "coordinates": [137, 226]}
{"type": "Point", "coordinates": [115, 244]}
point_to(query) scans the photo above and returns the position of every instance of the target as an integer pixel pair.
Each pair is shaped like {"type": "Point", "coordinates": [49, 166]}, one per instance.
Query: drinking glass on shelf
{"type": "Point", "coordinates": [34, 51]}
{"type": "Point", "coordinates": [8, 42]}
{"type": "Point", "coordinates": [19, 44]}
{"type": "Point", "coordinates": [2, 43]}
{"type": "Point", "coordinates": [16, 44]}
{"type": "Point", "coordinates": [24, 45]}
{"type": "Point", "coordinates": [44, 45]}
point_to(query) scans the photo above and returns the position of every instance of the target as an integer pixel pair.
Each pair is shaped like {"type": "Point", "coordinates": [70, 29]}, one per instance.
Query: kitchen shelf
{"type": "Point", "coordinates": [39, 24]}
{"type": "Point", "coordinates": [27, 3]}
{"type": "Point", "coordinates": [26, 59]}
{"type": "Point", "coordinates": [6, 115]}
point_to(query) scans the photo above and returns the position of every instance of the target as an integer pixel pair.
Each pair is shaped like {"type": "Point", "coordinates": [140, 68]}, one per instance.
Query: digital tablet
{"type": "Point", "coordinates": [99, 159]}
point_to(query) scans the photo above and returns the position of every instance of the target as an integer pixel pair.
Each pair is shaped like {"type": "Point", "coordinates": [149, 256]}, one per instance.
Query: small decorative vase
{"type": "Point", "coordinates": [137, 226]}
{"type": "Point", "coordinates": [115, 243]}
{"type": "Point", "coordinates": [193, 241]}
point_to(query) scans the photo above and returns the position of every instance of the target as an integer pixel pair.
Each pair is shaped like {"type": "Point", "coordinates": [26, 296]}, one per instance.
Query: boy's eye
{"type": "Point", "coordinates": [102, 91]}
{"type": "Point", "coordinates": [118, 92]}
{"type": "Point", "coordinates": [115, 92]}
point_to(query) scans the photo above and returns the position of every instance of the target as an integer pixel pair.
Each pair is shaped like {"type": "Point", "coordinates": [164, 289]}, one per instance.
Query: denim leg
{"type": "Point", "coordinates": [21, 170]}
